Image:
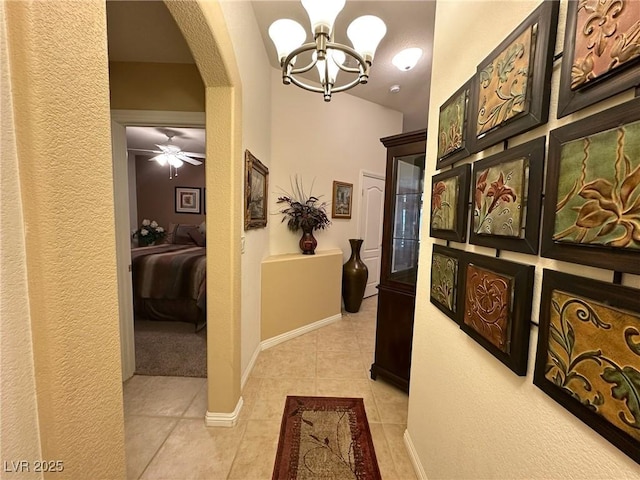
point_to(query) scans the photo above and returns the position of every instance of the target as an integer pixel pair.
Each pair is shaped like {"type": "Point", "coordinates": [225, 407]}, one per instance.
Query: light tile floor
{"type": "Point", "coordinates": [166, 437]}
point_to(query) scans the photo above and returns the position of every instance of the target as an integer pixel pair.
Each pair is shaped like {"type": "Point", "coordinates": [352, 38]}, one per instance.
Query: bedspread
{"type": "Point", "coordinates": [170, 272]}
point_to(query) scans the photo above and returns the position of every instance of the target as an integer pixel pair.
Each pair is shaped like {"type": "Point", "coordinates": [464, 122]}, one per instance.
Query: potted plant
{"type": "Point", "coordinates": [148, 233]}
{"type": "Point", "coordinates": [304, 212]}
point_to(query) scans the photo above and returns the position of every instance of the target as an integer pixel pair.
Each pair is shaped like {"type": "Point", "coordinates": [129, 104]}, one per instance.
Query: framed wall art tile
{"type": "Point", "coordinates": [445, 269]}
{"type": "Point", "coordinates": [588, 355]}
{"type": "Point", "coordinates": [601, 52]}
{"type": "Point", "coordinates": [497, 307]}
{"type": "Point", "coordinates": [592, 197]}
{"type": "Point", "coordinates": [453, 127]}
{"type": "Point", "coordinates": [507, 196]}
{"type": "Point", "coordinates": [449, 200]}
{"type": "Point", "coordinates": [512, 86]}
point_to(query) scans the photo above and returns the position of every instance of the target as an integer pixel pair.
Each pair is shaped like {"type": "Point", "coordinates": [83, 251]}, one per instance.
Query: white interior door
{"type": "Point", "coordinates": [371, 222]}
{"type": "Point", "coordinates": [123, 247]}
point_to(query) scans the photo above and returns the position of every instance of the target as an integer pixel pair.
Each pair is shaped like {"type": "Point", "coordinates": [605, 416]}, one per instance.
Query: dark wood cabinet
{"type": "Point", "coordinates": [399, 265]}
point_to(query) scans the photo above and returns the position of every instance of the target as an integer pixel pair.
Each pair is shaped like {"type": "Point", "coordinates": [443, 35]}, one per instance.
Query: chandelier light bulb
{"type": "Point", "coordinates": [287, 35]}
{"type": "Point", "coordinates": [335, 58]}
{"type": "Point", "coordinates": [323, 13]}
{"type": "Point", "coordinates": [407, 58]}
{"type": "Point", "coordinates": [365, 34]}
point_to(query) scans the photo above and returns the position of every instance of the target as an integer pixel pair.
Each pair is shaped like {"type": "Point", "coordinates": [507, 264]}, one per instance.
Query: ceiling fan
{"type": "Point", "coordinates": [172, 154]}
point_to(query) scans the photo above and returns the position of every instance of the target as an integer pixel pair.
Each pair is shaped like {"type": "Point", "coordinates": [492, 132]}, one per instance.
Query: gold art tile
{"type": "Point", "coordinates": [594, 356]}
{"type": "Point", "coordinates": [503, 84]}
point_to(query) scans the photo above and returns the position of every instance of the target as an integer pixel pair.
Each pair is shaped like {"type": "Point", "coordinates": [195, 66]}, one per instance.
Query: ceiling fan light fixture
{"type": "Point", "coordinates": [365, 33]}
{"type": "Point", "coordinates": [407, 58]}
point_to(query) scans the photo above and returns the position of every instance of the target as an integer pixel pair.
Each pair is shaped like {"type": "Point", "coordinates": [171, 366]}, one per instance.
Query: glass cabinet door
{"type": "Point", "coordinates": [407, 209]}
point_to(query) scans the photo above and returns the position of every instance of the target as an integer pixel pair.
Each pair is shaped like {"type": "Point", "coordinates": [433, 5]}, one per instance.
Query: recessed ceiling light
{"type": "Point", "coordinates": [394, 88]}
{"type": "Point", "coordinates": [407, 58]}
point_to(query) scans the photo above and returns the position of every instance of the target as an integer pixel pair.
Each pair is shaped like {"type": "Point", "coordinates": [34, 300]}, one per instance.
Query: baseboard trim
{"type": "Point", "coordinates": [215, 419]}
{"type": "Point", "coordinates": [273, 341]}
{"type": "Point", "coordinates": [249, 369]}
{"type": "Point", "coordinates": [413, 455]}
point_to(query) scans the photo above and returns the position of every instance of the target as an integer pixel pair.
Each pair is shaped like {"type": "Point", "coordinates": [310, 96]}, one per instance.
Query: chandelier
{"type": "Point", "coordinates": [327, 56]}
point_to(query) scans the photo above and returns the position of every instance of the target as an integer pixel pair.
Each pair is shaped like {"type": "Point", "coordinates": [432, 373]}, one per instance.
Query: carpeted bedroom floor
{"type": "Point", "coordinates": [170, 349]}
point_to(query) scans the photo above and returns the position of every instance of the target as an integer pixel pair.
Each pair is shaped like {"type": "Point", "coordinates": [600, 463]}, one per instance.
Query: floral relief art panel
{"type": "Point", "coordinates": [598, 200]}
{"type": "Point", "coordinates": [444, 200]}
{"type": "Point", "coordinates": [488, 305]}
{"type": "Point", "coordinates": [499, 198]}
{"type": "Point", "coordinates": [444, 271]}
{"type": "Point", "coordinates": [502, 85]}
{"type": "Point", "coordinates": [451, 125]}
{"type": "Point", "coordinates": [594, 356]}
{"type": "Point", "coordinates": [607, 37]}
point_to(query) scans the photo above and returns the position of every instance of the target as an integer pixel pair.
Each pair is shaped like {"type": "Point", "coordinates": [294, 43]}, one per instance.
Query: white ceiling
{"type": "Point", "coordinates": [144, 31]}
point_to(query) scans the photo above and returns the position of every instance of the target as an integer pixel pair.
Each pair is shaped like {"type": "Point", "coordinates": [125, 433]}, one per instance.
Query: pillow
{"type": "Point", "coordinates": [197, 237]}
{"type": "Point", "coordinates": [179, 233]}
{"type": "Point", "coordinates": [202, 228]}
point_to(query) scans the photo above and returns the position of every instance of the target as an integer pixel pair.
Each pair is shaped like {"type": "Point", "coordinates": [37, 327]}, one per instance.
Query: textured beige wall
{"type": "Point", "coordinates": [469, 415]}
{"type": "Point", "coordinates": [256, 136]}
{"type": "Point", "coordinates": [203, 26]}
{"type": "Point", "coordinates": [298, 290]}
{"type": "Point", "coordinates": [19, 429]}
{"type": "Point", "coordinates": [173, 87]}
{"type": "Point", "coordinates": [58, 61]}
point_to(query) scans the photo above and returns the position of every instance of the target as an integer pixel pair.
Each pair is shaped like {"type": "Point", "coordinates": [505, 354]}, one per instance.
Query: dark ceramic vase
{"type": "Point", "coordinates": [354, 278]}
{"type": "Point", "coordinates": [308, 242]}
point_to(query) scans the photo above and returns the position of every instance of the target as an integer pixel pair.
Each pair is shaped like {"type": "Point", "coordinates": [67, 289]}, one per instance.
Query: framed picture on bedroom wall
{"type": "Point", "coordinates": [601, 52]}
{"type": "Point", "coordinates": [588, 354]}
{"type": "Point", "coordinates": [592, 197]}
{"type": "Point", "coordinates": [512, 85]}
{"type": "Point", "coordinates": [449, 200]}
{"type": "Point", "coordinates": [187, 200]}
{"type": "Point", "coordinates": [507, 198]}
{"type": "Point", "coordinates": [256, 190]}
{"type": "Point", "coordinates": [497, 307]}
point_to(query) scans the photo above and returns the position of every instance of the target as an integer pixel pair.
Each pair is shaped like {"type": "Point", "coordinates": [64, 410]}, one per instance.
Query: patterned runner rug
{"type": "Point", "coordinates": [325, 437]}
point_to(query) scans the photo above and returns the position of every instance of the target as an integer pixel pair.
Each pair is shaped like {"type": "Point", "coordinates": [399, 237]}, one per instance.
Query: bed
{"type": "Point", "coordinates": [169, 282]}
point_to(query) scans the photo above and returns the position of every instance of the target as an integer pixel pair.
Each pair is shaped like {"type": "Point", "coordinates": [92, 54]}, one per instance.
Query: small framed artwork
{"type": "Point", "coordinates": [588, 355]}
{"type": "Point", "coordinates": [507, 198]}
{"type": "Point", "coordinates": [497, 308]}
{"type": "Point", "coordinates": [445, 269]}
{"type": "Point", "coordinates": [592, 197]}
{"type": "Point", "coordinates": [601, 52]}
{"type": "Point", "coordinates": [452, 127]}
{"type": "Point", "coordinates": [342, 199]}
{"type": "Point", "coordinates": [449, 200]}
{"type": "Point", "coordinates": [187, 200]}
{"type": "Point", "coordinates": [512, 86]}
{"type": "Point", "coordinates": [255, 192]}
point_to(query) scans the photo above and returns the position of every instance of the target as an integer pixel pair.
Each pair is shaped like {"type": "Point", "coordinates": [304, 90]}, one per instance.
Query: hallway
{"type": "Point", "coordinates": [165, 433]}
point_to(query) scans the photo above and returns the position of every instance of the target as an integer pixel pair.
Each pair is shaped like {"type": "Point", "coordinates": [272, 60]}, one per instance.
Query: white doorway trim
{"type": "Point", "coordinates": [120, 120]}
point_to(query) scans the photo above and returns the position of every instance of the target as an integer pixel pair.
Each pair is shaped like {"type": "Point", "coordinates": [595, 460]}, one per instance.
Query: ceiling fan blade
{"type": "Point", "coordinates": [142, 150]}
{"type": "Point", "coordinates": [194, 154]}
{"type": "Point", "coordinates": [190, 160]}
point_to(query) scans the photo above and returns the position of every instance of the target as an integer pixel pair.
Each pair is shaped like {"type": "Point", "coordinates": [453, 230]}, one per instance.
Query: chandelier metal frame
{"type": "Point", "coordinates": [321, 44]}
